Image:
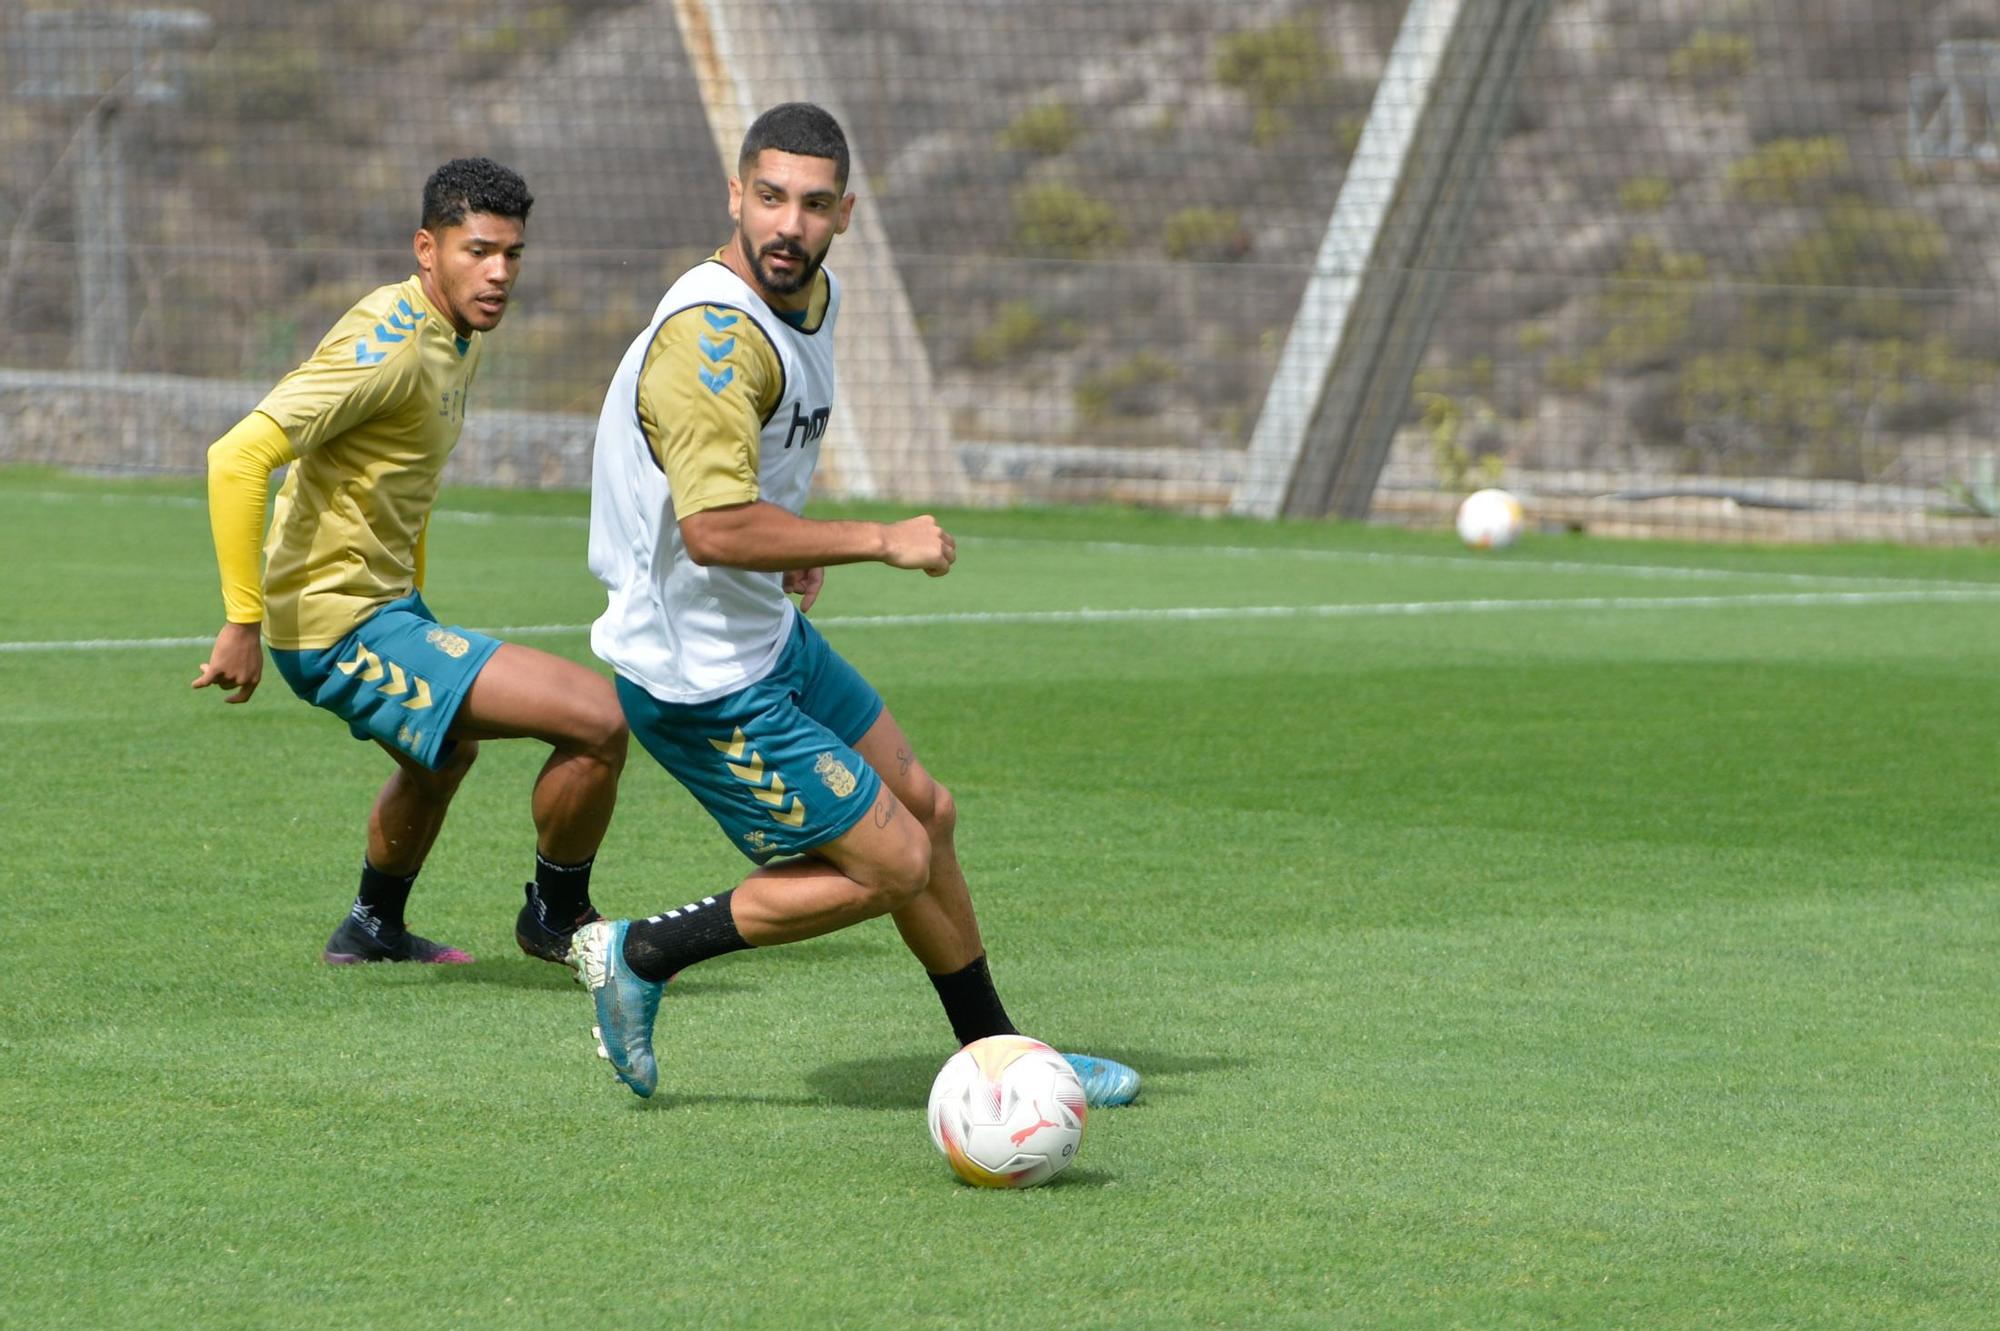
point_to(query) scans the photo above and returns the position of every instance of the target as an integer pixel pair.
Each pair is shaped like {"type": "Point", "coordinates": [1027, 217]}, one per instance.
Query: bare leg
{"type": "Point", "coordinates": [894, 861]}
{"type": "Point", "coordinates": [869, 870]}
{"type": "Point", "coordinates": [411, 807]}
{"type": "Point", "coordinates": [884, 864]}
{"type": "Point", "coordinates": [938, 924]}
{"type": "Point", "coordinates": [526, 693]}
{"type": "Point", "coordinates": [402, 825]}
{"type": "Point", "coordinates": [874, 868]}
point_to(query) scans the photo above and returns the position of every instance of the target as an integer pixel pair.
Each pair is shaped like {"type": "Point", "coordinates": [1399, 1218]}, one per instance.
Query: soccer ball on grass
{"type": "Point", "coordinates": [1490, 520]}
{"type": "Point", "coordinates": [1007, 1112]}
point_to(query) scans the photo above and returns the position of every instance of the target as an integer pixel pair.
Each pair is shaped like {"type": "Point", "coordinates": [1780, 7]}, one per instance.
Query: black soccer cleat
{"type": "Point", "coordinates": [361, 938]}
{"type": "Point", "coordinates": [537, 939]}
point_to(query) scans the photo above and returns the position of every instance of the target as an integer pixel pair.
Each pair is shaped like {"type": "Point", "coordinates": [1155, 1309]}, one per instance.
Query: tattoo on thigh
{"type": "Point", "coordinates": [885, 809]}
{"type": "Point", "coordinates": [903, 760]}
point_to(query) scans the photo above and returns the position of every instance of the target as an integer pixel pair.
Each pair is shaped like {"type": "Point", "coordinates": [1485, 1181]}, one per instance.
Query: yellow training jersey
{"type": "Point", "coordinates": [373, 414]}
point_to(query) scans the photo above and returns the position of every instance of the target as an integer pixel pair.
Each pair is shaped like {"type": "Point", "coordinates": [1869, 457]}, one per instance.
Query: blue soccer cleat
{"type": "Point", "coordinates": [1105, 1083]}
{"type": "Point", "coordinates": [626, 1004]}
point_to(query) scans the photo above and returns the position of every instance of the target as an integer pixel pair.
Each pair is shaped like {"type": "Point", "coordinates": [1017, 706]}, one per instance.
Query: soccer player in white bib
{"type": "Point", "coordinates": [705, 451]}
{"type": "Point", "coordinates": [366, 424]}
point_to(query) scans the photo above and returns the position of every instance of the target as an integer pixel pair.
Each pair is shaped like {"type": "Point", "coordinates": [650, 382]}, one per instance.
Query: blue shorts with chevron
{"type": "Point", "coordinates": [399, 677]}
{"type": "Point", "coordinates": [773, 763]}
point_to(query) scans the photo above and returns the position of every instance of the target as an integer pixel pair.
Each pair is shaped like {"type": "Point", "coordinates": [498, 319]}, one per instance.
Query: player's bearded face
{"type": "Point", "coordinates": [469, 269]}
{"type": "Point", "coordinates": [788, 209]}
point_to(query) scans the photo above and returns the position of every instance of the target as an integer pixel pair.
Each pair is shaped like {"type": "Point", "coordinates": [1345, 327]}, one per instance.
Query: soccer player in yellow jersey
{"type": "Point", "coordinates": [366, 425]}
{"type": "Point", "coordinates": [704, 457]}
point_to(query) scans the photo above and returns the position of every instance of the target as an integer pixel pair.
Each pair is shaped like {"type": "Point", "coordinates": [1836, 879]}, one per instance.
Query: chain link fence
{"type": "Point", "coordinates": [1735, 271]}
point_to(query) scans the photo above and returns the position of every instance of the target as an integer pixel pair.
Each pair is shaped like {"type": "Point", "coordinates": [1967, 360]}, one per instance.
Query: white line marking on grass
{"type": "Point", "coordinates": [1484, 563]}
{"type": "Point", "coordinates": [470, 518]}
{"type": "Point", "coordinates": [79, 497]}
{"type": "Point", "coordinates": [105, 644]}
{"type": "Point", "coordinates": [1390, 609]}
{"type": "Point", "coordinates": [1168, 614]}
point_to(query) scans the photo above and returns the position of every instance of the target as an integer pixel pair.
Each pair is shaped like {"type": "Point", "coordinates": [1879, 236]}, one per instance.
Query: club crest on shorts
{"type": "Point", "coordinates": [451, 644]}
{"type": "Point", "coordinates": [835, 775]}
{"type": "Point", "coordinates": [760, 841]}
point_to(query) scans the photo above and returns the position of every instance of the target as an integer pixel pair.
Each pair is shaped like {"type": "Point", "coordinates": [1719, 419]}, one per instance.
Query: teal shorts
{"type": "Point", "coordinates": [399, 677]}
{"type": "Point", "coordinates": [774, 763]}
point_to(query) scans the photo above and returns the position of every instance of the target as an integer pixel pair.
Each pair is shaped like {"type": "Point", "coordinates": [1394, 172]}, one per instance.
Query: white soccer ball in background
{"type": "Point", "coordinates": [1007, 1112]}
{"type": "Point", "coordinates": [1490, 520]}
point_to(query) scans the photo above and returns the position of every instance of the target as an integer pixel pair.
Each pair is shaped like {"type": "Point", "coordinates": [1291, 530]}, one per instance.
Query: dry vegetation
{"type": "Point", "coordinates": [1703, 244]}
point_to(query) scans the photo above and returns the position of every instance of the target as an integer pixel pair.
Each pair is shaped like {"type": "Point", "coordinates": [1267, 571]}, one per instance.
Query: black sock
{"type": "Point", "coordinates": [382, 896]}
{"type": "Point", "coordinates": [659, 948]}
{"type": "Point", "coordinates": [971, 1003]}
{"type": "Point", "coordinates": [562, 893]}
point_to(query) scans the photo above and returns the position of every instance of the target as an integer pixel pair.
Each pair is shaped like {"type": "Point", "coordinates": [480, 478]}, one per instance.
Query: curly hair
{"type": "Point", "coordinates": [473, 185]}
{"type": "Point", "coordinates": [800, 128]}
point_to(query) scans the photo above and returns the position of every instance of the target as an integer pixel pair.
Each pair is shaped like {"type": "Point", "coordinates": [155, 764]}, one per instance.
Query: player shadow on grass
{"type": "Point", "coordinates": [518, 972]}
{"type": "Point", "coordinates": [665, 1100]}
{"type": "Point", "coordinates": [903, 1081]}
{"type": "Point", "coordinates": [504, 967]}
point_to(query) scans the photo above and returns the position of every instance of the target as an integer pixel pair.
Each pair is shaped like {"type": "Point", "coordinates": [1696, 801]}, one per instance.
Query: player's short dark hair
{"type": "Point", "coordinates": [799, 128]}
{"type": "Point", "coordinates": [473, 185]}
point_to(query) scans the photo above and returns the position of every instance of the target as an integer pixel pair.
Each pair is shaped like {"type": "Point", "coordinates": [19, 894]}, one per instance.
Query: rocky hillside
{"type": "Point", "coordinates": [1705, 247]}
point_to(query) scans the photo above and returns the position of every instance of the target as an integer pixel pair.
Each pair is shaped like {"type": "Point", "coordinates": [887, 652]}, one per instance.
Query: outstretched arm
{"type": "Point", "coordinates": [766, 538]}
{"type": "Point", "coordinates": [239, 486]}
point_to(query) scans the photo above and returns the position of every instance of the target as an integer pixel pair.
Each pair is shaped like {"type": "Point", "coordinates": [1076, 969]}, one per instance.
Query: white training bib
{"type": "Point", "coordinates": [682, 632]}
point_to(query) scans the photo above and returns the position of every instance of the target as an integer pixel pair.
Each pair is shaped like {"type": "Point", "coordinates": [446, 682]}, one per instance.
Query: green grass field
{"type": "Point", "coordinates": [1593, 935]}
